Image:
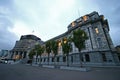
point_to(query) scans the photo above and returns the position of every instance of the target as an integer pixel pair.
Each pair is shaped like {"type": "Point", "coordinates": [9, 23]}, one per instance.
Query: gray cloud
{"type": "Point", "coordinates": [111, 10]}
{"type": "Point", "coordinates": [7, 38]}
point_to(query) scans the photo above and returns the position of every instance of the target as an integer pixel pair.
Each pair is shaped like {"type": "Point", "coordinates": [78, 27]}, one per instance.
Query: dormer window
{"type": "Point", "coordinates": [85, 18]}
{"type": "Point", "coordinates": [73, 24]}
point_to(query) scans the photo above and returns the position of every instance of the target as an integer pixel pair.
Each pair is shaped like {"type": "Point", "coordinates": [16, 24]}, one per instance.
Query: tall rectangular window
{"type": "Point", "coordinates": [104, 57]}
{"type": "Point", "coordinates": [64, 58]}
{"type": "Point", "coordinates": [99, 42]}
{"type": "Point", "coordinates": [96, 30]}
{"type": "Point", "coordinates": [87, 57]}
{"type": "Point", "coordinates": [57, 59]}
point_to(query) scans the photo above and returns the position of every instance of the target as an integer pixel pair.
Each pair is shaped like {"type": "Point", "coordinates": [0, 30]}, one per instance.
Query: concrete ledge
{"type": "Point", "coordinates": [35, 65]}
{"type": "Point", "coordinates": [48, 66]}
{"type": "Point", "coordinates": [84, 69]}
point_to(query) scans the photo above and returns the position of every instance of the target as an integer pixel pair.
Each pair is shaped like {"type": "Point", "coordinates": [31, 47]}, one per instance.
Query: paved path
{"type": "Point", "coordinates": [27, 72]}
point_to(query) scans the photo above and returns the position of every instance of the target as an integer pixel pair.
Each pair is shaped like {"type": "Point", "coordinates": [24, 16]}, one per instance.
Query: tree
{"type": "Point", "coordinates": [48, 49]}
{"type": "Point", "coordinates": [66, 47]}
{"type": "Point", "coordinates": [31, 54]}
{"type": "Point", "coordinates": [79, 37]}
{"type": "Point", "coordinates": [54, 48]}
{"type": "Point", "coordinates": [39, 51]}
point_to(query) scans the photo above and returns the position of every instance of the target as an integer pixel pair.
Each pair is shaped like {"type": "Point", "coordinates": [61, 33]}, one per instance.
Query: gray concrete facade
{"type": "Point", "coordinates": [23, 47]}
{"type": "Point", "coordinates": [99, 47]}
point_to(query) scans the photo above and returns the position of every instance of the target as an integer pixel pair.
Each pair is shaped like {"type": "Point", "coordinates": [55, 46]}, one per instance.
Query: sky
{"type": "Point", "coordinates": [49, 18]}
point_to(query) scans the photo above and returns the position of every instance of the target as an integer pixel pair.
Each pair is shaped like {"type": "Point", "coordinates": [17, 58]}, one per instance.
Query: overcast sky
{"type": "Point", "coordinates": [49, 18]}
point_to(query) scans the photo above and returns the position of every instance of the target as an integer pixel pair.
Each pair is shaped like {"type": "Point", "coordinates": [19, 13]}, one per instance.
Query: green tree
{"type": "Point", "coordinates": [54, 48]}
{"type": "Point", "coordinates": [31, 53]}
{"type": "Point", "coordinates": [66, 47]}
{"type": "Point", "coordinates": [79, 37]}
{"type": "Point", "coordinates": [48, 49]}
{"type": "Point", "coordinates": [39, 51]}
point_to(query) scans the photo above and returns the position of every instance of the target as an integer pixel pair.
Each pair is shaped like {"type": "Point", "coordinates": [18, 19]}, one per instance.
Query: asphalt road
{"type": "Point", "coordinates": [27, 72]}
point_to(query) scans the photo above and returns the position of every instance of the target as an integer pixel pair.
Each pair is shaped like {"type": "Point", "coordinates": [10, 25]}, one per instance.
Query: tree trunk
{"type": "Point", "coordinates": [36, 59]}
{"type": "Point", "coordinates": [54, 60]}
{"type": "Point", "coordinates": [80, 57]}
{"type": "Point", "coordinates": [67, 60]}
{"type": "Point", "coordinates": [40, 61]}
{"type": "Point", "coordinates": [48, 58]}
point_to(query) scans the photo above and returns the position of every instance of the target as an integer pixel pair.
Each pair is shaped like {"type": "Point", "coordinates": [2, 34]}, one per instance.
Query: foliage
{"type": "Point", "coordinates": [31, 54]}
{"type": "Point", "coordinates": [39, 49]}
{"type": "Point", "coordinates": [54, 47]}
{"type": "Point", "coordinates": [66, 47]}
{"type": "Point", "coordinates": [79, 37]}
{"type": "Point", "coordinates": [48, 48]}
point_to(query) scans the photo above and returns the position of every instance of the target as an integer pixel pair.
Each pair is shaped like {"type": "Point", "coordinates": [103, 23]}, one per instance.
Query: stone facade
{"type": "Point", "coordinates": [23, 46]}
{"type": "Point", "coordinates": [99, 49]}
{"type": "Point", "coordinates": [118, 51]}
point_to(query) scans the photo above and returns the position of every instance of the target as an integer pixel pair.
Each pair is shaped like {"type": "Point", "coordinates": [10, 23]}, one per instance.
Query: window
{"type": "Point", "coordinates": [73, 24]}
{"type": "Point", "coordinates": [57, 59]}
{"type": "Point", "coordinates": [85, 18]}
{"type": "Point", "coordinates": [65, 40]}
{"type": "Point", "coordinates": [96, 30]}
{"type": "Point", "coordinates": [104, 57]}
{"type": "Point", "coordinates": [44, 60]}
{"type": "Point", "coordinates": [64, 59]}
{"type": "Point", "coordinates": [59, 43]}
{"type": "Point", "coordinates": [52, 59]}
{"type": "Point", "coordinates": [87, 57]}
{"type": "Point", "coordinates": [41, 59]}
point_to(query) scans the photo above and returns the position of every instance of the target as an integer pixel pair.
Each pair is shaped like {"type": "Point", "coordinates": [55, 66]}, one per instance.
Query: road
{"type": "Point", "coordinates": [27, 72]}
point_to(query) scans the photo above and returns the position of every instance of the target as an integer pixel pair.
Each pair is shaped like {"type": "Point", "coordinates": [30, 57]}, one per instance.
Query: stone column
{"type": "Point", "coordinates": [84, 59]}
{"type": "Point", "coordinates": [19, 54]}
{"type": "Point", "coordinates": [22, 55]}
{"type": "Point", "coordinates": [14, 54]}
{"type": "Point", "coordinates": [11, 54]}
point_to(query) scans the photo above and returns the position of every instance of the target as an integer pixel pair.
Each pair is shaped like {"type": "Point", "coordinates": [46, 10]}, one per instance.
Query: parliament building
{"type": "Point", "coordinates": [99, 49]}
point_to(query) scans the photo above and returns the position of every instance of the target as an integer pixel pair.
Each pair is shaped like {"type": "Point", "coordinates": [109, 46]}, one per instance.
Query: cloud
{"type": "Point", "coordinates": [7, 38]}
{"type": "Point", "coordinates": [50, 18]}
{"type": "Point", "coordinates": [20, 28]}
{"type": "Point", "coordinates": [111, 10]}
{"type": "Point", "coordinates": [44, 16]}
